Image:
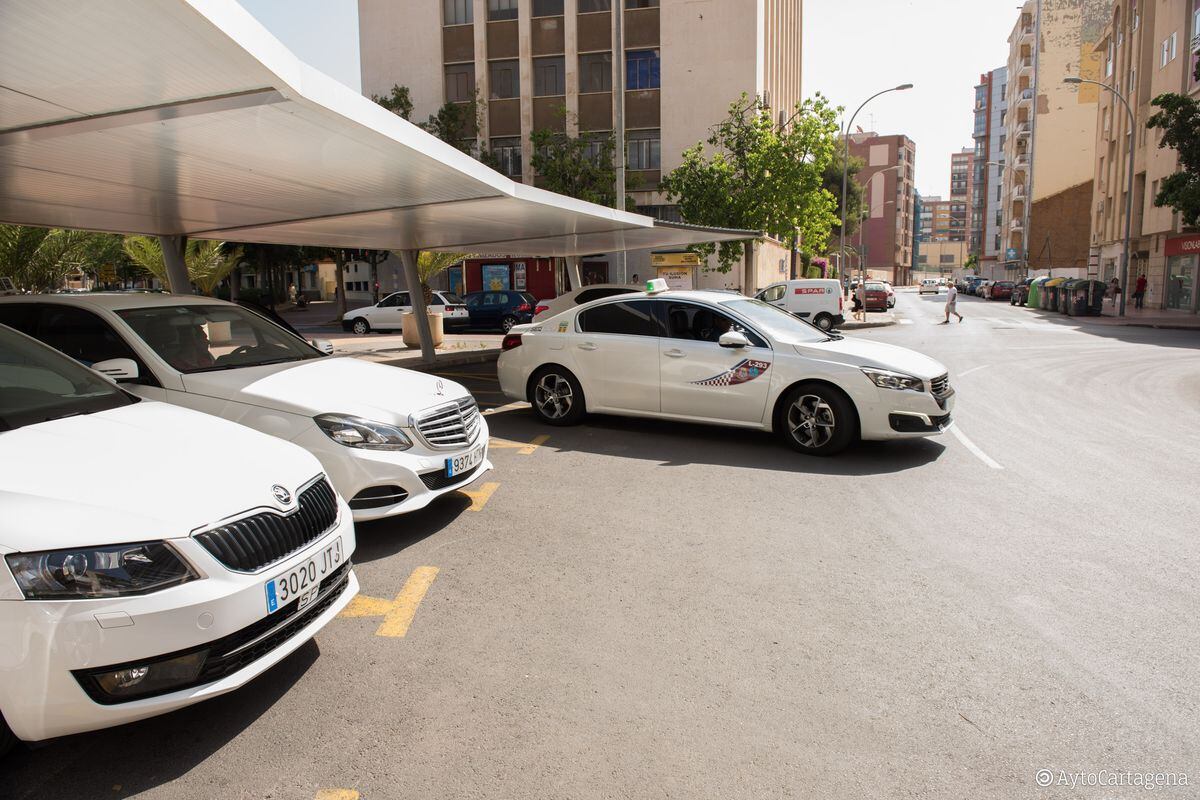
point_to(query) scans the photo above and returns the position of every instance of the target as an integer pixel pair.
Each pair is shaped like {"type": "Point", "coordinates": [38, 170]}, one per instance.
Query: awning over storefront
{"type": "Point", "coordinates": [171, 117]}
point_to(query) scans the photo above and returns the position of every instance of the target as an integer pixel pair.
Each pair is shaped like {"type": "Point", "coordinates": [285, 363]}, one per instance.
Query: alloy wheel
{"type": "Point", "coordinates": [553, 396]}
{"type": "Point", "coordinates": [811, 421]}
{"type": "Point", "coordinates": [360, 327]}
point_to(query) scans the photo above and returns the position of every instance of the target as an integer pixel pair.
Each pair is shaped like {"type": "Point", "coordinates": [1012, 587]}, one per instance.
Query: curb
{"type": "Point", "coordinates": [446, 359]}
{"type": "Point", "coordinates": [859, 326]}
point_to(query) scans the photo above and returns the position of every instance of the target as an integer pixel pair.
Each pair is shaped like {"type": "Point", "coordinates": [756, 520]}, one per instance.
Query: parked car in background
{"type": "Point", "coordinates": [928, 286]}
{"type": "Point", "coordinates": [891, 295]}
{"type": "Point", "coordinates": [388, 313]}
{"type": "Point", "coordinates": [577, 297]}
{"type": "Point", "coordinates": [1020, 293]}
{"type": "Point", "coordinates": [1000, 290]}
{"type": "Point", "coordinates": [981, 289]}
{"type": "Point", "coordinates": [815, 300]}
{"type": "Point", "coordinates": [151, 557]}
{"type": "Point", "coordinates": [499, 309]}
{"type": "Point", "coordinates": [875, 296]}
{"type": "Point", "coordinates": [391, 440]}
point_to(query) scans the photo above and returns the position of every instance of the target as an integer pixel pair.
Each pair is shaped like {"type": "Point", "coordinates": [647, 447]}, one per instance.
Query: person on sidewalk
{"type": "Point", "coordinates": [1114, 292]}
{"type": "Point", "coordinates": [952, 304]}
{"type": "Point", "coordinates": [1139, 291]}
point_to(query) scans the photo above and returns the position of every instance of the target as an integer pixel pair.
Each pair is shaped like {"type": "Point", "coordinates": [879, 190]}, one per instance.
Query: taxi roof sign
{"type": "Point", "coordinates": [656, 285]}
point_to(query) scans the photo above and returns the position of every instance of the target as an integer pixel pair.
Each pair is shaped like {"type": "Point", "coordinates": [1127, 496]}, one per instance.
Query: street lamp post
{"type": "Point", "coordinates": [846, 167]}
{"type": "Point", "coordinates": [1128, 185]}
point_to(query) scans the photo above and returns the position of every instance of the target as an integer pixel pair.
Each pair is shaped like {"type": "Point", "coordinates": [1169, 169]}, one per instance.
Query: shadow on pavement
{"type": "Point", "coordinates": [386, 537]}
{"type": "Point", "coordinates": [144, 755]}
{"type": "Point", "coordinates": [675, 444]}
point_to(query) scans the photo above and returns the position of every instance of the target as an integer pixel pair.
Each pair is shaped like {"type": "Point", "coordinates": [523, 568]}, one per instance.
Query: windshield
{"type": "Point", "coordinates": [206, 338]}
{"type": "Point", "coordinates": [39, 384]}
{"type": "Point", "coordinates": [452, 299]}
{"type": "Point", "coordinates": [775, 321]}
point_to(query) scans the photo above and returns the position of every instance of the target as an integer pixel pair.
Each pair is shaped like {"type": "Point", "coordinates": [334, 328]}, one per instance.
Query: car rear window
{"type": "Point", "coordinates": [588, 295]}
{"type": "Point", "coordinates": [630, 318]}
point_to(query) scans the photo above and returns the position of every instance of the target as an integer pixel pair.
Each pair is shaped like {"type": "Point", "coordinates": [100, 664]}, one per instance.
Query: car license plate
{"type": "Point", "coordinates": [464, 463]}
{"type": "Point", "coordinates": [303, 581]}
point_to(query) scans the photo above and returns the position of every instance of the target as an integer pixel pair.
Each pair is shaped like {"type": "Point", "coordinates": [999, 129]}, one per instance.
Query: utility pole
{"type": "Point", "coordinates": [619, 116]}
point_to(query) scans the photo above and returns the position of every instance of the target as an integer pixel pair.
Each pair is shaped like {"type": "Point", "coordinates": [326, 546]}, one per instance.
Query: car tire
{"type": "Point", "coordinates": [7, 740]}
{"type": "Point", "coordinates": [817, 419]}
{"type": "Point", "coordinates": [360, 327]}
{"type": "Point", "coordinates": [507, 323]}
{"type": "Point", "coordinates": [823, 321]}
{"type": "Point", "coordinates": [556, 396]}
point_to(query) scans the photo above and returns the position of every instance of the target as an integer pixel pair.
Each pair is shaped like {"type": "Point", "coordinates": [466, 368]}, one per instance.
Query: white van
{"type": "Point", "coordinates": [816, 300]}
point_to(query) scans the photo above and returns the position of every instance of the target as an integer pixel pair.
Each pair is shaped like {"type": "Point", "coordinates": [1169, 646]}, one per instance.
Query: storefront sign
{"type": "Point", "coordinates": [676, 277]}
{"type": "Point", "coordinates": [1183, 245]}
{"type": "Point", "coordinates": [1010, 254]}
{"type": "Point", "coordinates": [519, 276]}
{"type": "Point", "coordinates": [675, 260]}
{"type": "Point", "coordinates": [495, 277]}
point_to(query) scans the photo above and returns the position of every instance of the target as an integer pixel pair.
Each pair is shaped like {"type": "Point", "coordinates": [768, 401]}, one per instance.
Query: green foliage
{"type": "Point", "coordinates": [758, 176]}
{"type": "Point", "coordinates": [399, 102]}
{"type": "Point", "coordinates": [570, 165]}
{"type": "Point", "coordinates": [430, 264]}
{"type": "Point", "coordinates": [39, 259]}
{"type": "Point", "coordinates": [208, 262]}
{"type": "Point", "coordinates": [831, 179]}
{"type": "Point", "coordinates": [1179, 120]}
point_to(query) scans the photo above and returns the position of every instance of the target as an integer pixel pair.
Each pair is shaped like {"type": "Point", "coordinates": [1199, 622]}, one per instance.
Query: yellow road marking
{"type": "Point", "coordinates": [397, 614]}
{"type": "Point", "coordinates": [338, 794]}
{"type": "Point", "coordinates": [523, 448]}
{"type": "Point", "coordinates": [479, 498]}
{"type": "Point", "coordinates": [469, 376]}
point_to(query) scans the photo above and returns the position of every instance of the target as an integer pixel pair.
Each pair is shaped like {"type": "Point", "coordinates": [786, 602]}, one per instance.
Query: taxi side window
{"type": "Point", "coordinates": [703, 324]}
{"type": "Point", "coordinates": [86, 338]}
{"type": "Point", "coordinates": [631, 318]}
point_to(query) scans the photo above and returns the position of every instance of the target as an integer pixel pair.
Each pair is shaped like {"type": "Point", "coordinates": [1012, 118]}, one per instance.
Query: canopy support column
{"type": "Point", "coordinates": [575, 271]}
{"type": "Point", "coordinates": [173, 248]}
{"type": "Point", "coordinates": [420, 312]}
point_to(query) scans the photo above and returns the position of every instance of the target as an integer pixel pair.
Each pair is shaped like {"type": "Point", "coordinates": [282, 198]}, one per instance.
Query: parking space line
{"type": "Point", "coordinates": [522, 448]}
{"type": "Point", "coordinates": [397, 614]}
{"type": "Point", "coordinates": [506, 407]}
{"type": "Point", "coordinates": [973, 369]}
{"type": "Point", "coordinates": [967, 443]}
{"type": "Point", "coordinates": [479, 498]}
{"type": "Point", "coordinates": [337, 794]}
{"type": "Point", "coordinates": [469, 376]}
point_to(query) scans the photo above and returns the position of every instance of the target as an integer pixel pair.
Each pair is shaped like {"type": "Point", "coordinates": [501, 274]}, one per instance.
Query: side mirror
{"type": "Point", "coordinates": [324, 345]}
{"type": "Point", "coordinates": [733, 339]}
{"type": "Point", "coordinates": [117, 369]}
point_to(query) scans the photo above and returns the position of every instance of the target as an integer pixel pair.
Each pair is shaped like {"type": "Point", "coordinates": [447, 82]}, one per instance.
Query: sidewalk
{"type": "Point", "coordinates": [1148, 318]}
{"type": "Point", "coordinates": [875, 319]}
{"type": "Point", "coordinates": [456, 351]}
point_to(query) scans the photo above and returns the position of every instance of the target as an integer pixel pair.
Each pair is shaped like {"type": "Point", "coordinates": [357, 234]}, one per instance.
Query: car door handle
{"type": "Point", "coordinates": [587, 346]}
{"type": "Point", "coordinates": [674, 353]}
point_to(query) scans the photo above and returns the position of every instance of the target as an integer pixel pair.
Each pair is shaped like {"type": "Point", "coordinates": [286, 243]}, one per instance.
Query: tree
{"type": "Point", "coordinates": [1179, 121]}
{"type": "Point", "coordinates": [831, 179]}
{"type": "Point", "coordinates": [399, 102]}
{"type": "Point", "coordinates": [39, 259]}
{"type": "Point", "coordinates": [760, 176]}
{"type": "Point", "coordinates": [576, 166]}
{"type": "Point", "coordinates": [431, 264]}
{"type": "Point", "coordinates": [971, 264]}
{"type": "Point", "coordinates": [208, 262]}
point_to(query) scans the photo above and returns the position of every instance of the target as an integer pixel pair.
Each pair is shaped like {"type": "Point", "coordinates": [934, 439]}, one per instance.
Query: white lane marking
{"type": "Point", "coordinates": [974, 448]}
{"type": "Point", "coordinates": [972, 369]}
{"type": "Point", "coordinates": [906, 322]}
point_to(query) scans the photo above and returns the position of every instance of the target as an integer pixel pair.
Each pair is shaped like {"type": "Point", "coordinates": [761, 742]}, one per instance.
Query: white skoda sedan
{"type": "Point", "coordinates": [151, 557]}
{"type": "Point", "coordinates": [724, 359]}
{"type": "Point", "coordinates": [390, 439]}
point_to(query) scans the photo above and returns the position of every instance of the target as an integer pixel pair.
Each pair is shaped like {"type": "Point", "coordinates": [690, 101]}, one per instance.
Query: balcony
{"type": "Point", "coordinates": [1024, 96]}
{"type": "Point", "coordinates": [1025, 32]}
{"type": "Point", "coordinates": [1018, 192]}
{"type": "Point", "coordinates": [1024, 129]}
{"type": "Point", "coordinates": [1017, 224]}
{"type": "Point", "coordinates": [1021, 161]}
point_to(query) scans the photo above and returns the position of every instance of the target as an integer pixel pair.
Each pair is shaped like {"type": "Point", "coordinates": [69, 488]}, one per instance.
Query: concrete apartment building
{"type": "Point", "coordinates": [684, 62]}
{"type": "Point", "coordinates": [886, 235]}
{"type": "Point", "coordinates": [962, 193]}
{"type": "Point", "coordinates": [1050, 132]}
{"type": "Point", "coordinates": [1149, 47]}
{"type": "Point", "coordinates": [991, 109]}
{"type": "Point", "coordinates": [940, 260]}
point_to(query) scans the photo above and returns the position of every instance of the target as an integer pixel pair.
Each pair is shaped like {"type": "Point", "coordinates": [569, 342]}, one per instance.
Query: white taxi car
{"type": "Point", "coordinates": [151, 557]}
{"type": "Point", "coordinates": [388, 313]}
{"type": "Point", "coordinates": [724, 359]}
{"type": "Point", "coordinates": [390, 439]}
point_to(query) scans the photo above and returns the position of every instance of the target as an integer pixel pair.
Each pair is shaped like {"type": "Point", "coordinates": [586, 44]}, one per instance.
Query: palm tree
{"type": "Point", "coordinates": [38, 259]}
{"type": "Point", "coordinates": [431, 264]}
{"type": "Point", "coordinates": [207, 261]}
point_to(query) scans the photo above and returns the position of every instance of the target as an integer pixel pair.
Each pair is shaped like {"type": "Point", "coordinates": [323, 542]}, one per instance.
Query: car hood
{"type": "Point", "coordinates": [862, 353]}
{"type": "Point", "coordinates": [145, 471]}
{"type": "Point", "coordinates": [342, 385]}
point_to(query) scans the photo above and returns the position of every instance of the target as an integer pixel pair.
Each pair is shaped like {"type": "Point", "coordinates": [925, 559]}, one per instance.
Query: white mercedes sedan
{"type": "Point", "coordinates": [724, 359]}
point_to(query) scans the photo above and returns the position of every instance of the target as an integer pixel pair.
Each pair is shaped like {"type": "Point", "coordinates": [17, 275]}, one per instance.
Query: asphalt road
{"type": "Point", "coordinates": [636, 609]}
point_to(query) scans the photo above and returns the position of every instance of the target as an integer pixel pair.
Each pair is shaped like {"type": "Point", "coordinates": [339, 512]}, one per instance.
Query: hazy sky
{"type": "Point", "coordinates": [852, 49]}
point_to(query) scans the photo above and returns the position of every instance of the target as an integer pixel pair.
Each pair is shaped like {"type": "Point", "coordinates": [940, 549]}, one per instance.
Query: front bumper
{"type": "Point", "coordinates": [379, 484]}
{"type": "Point", "coordinates": [904, 415]}
{"type": "Point", "coordinates": [52, 646]}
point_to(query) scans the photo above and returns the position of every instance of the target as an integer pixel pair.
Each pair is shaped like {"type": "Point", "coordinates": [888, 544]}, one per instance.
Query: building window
{"type": "Point", "coordinates": [504, 79]}
{"type": "Point", "coordinates": [595, 144]}
{"type": "Point", "coordinates": [641, 4]}
{"type": "Point", "coordinates": [507, 153]}
{"type": "Point", "coordinates": [588, 6]}
{"type": "Point", "coordinates": [460, 83]}
{"type": "Point", "coordinates": [595, 72]}
{"type": "Point", "coordinates": [547, 8]}
{"type": "Point", "coordinates": [645, 150]}
{"type": "Point", "coordinates": [458, 12]}
{"type": "Point", "coordinates": [946, 258]}
{"type": "Point", "coordinates": [549, 77]}
{"type": "Point", "coordinates": [641, 69]}
{"type": "Point", "coordinates": [1169, 49]}
{"type": "Point", "coordinates": [502, 9]}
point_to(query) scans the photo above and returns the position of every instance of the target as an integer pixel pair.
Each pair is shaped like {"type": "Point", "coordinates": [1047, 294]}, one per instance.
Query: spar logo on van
{"type": "Point", "coordinates": [813, 290]}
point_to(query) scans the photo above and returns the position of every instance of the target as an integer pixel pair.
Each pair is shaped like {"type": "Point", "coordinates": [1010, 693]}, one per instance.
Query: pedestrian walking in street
{"type": "Point", "coordinates": [951, 304]}
{"type": "Point", "coordinates": [1139, 291]}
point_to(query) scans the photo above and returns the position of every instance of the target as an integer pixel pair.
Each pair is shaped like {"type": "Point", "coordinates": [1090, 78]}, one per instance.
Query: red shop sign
{"type": "Point", "coordinates": [1183, 245]}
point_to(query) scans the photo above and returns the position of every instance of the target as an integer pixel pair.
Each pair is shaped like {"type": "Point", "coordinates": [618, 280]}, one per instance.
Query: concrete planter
{"type": "Point", "coordinates": [408, 329]}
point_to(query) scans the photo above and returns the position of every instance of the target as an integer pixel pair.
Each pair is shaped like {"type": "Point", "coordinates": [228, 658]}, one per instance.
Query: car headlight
{"type": "Point", "coordinates": [885, 379]}
{"type": "Point", "coordinates": [84, 572]}
{"type": "Point", "coordinates": [362, 433]}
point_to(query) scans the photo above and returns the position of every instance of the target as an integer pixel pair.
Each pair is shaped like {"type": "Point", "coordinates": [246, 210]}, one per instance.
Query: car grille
{"type": "Point", "coordinates": [439, 480]}
{"type": "Point", "coordinates": [236, 651]}
{"type": "Point", "coordinates": [251, 543]}
{"type": "Point", "coordinates": [940, 386]}
{"type": "Point", "coordinates": [453, 425]}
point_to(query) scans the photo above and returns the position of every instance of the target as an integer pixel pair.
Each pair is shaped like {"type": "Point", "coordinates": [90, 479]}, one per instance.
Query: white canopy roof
{"type": "Point", "coordinates": [188, 117]}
